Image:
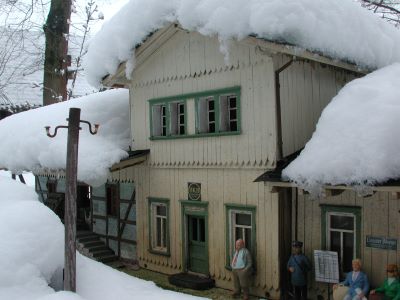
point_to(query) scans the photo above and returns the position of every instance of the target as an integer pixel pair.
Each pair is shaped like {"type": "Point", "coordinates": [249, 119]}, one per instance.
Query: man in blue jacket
{"type": "Point", "coordinates": [357, 281]}
{"type": "Point", "coordinates": [298, 265]}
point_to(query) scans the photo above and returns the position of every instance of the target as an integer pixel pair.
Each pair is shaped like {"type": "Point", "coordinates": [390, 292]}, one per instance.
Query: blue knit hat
{"type": "Point", "coordinates": [297, 244]}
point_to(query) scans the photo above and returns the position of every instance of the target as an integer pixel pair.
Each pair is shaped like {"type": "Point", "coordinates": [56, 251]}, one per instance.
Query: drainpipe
{"type": "Point", "coordinates": [278, 108]}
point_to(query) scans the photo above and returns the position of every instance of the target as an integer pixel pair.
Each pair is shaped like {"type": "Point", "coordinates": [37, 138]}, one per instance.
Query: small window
{"type": "Point", "coordinates": [51, 186]}
{"type": "Point", "coordinates": [218, 113]}
{"type": "Point", "coordinates": [241, 225]}
{"type": "Point", "coordinates": [112, 200]}
{"type": "Point", "coordinates": [158, 229]}
{"type": "Point", "coordinates": [159, 119]}
{"type": "Point", "coordinates": [177, 118]}
{"type": "Point", "coordinates": [341, 233]}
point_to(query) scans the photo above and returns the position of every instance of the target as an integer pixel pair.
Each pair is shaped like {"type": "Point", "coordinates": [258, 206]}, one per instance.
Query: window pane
{"type": "Point", "coordinates": [335, 241]}
{"type": "Point", "coordinates": [181, 119]}
{"type": "Point", "coordinates": [348, 250]}
{"type": "Point", "coordinates": [211, 116]}
{"type": "Point", "coordinates": [164, 233]}
{"type": "Point", "coordinates": [232, 115]}
{"type": "Point", "coordinates": [181, 108]}
{"type": "Point", "coordinates": [243, 219]}
{"type": "Point", "coordinates": [181, 129]}
{"type": "Point", "coordinates": [342, 222]}
{"type": "Point", "coordinates": [158, 233]}
{"type": "Point", "coordinates": [232, 101]}
{"type": "Point", "coordinates": [238, 233]}
{"type": "Point", "coordinates": [202, 230]}
{"type": "Point", "coordinates": [161, 210]}
{"type": "Point", "coordinates": [194, 229]}
{"type": "Point", "coordinates": [211, 127]}
{"type": "Point", "coordinates": [247, 238]}
{"type": "Point", "coordinates": [210, 104]}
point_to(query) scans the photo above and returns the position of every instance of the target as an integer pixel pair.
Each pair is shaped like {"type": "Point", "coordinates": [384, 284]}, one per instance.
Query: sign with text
{"type": "Point", "coordinates": [326, 266]}
{"type": "Point", "coordinates": [381, 242]}
{"type": "Point", "coordinates": [194, 191]}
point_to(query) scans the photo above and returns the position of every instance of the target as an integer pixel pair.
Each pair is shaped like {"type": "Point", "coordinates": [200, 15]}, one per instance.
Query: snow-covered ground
{"type": "Point", "coordinates": [26, 147]}
{"type": "Point", "coordinates": [32, 251]}
{"type": "Point", "coordinates": [356, 141]}
{"type": "Point", "coordinates": [339, 29]}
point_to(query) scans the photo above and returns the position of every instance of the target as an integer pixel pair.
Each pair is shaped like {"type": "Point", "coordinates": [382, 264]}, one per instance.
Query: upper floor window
{"type": "Point", "coordinates": [218, 113]}
{"type": "Point", "coordinates": [168, 119]}
{"type": "Point", "coordinates": [190, 115]}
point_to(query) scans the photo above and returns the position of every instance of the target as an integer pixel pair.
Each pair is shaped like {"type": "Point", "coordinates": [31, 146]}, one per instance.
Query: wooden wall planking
{"type": "Point", "coordinates": [379, 217]}
{"type": "Point", "coordinates": [219, 187]}
{"type": "Point", "coordinates": [253, 146]}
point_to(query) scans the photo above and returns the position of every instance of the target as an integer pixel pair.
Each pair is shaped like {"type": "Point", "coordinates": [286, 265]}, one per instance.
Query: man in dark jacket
{"type": "Point", "coordinates": [298, 265]}
{"type": "Point", "coordinates": [241, 269]}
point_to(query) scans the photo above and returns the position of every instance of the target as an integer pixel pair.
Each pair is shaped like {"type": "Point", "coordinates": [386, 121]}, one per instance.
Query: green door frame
{"type": "Point", "coordinates": [193, 208]}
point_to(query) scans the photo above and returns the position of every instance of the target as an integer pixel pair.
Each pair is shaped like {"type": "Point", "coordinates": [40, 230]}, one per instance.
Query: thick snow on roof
{"type": "Point", "coordinates": [25, 145]}
{"type": "Point", "coordinates": [341, 29]}
{"type": "Point", "coordinates": [356, 141]}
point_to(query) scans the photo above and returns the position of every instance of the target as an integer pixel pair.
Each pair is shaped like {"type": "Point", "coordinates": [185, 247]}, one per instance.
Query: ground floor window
{"type": "Point", "coordinates": [240, 222]}
{"type": "Point", "coordinates": [341, 233]}
{"type": "Point", "coordinates": [159, 225]}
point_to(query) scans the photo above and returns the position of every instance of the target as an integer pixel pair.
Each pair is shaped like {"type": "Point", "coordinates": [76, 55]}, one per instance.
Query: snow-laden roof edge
{"type": "Point", "coordinates": [355, 140]}
{"type": "Point", "coordinates": [339, 29]}
{"type": "Point", "coordinates": [26, 147]}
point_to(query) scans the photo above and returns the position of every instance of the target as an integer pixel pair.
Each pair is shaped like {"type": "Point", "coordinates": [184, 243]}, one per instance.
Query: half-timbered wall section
{"type": "Point", "coordinates": [376, 216]}
{"type": "Point", "coordinates": [114, 217]}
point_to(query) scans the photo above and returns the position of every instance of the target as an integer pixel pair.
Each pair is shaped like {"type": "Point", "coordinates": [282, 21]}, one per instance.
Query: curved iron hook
{"type": "Point", "coordinates": [55, 130]}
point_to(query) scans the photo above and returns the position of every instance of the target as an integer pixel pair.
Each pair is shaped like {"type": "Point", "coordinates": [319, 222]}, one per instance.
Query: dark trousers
{"type": "Point", "coordinates": [300, 292]}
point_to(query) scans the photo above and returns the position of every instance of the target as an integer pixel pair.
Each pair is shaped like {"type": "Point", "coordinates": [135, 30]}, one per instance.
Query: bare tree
{"type": "Point", "coordinates": [90, 15]}
{"type": "Point", "coordinates": [388, 9]}
{"type": "Point", "coordinates": [56, 56]}
{"type": "Point", "coordinates": [21, 53]}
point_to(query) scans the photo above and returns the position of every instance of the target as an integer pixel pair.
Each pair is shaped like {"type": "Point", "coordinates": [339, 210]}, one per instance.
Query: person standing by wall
{"type": "Point", "coordinates": [299, 265]}
{"type": "Point", "coordinates": [241, 269]}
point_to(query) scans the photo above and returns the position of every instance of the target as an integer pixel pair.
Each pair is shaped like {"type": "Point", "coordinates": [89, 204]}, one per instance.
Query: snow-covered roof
{"type": "Point", "coordinates": [340, 29]}
{"type": "Point", "coordinates": [356, 141]}
{"type": "Point", "coordinates": [25, 145]}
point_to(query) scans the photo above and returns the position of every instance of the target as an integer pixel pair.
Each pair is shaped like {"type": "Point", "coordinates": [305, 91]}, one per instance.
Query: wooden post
{"type": "Point", "coordinates": [70, 200]}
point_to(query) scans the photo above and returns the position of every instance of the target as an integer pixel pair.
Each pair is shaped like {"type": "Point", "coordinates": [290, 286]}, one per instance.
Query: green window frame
{"type": "Point", "coordinates": [342, 215]}
{"type": "Point", "coordinates": [159, 233]}
{"type": "Point", "coordinates": [168, 117]}
{"type": "Point", "coordinates": [218, 112]}
{"type": "Point", "coordinates": [234, 226]}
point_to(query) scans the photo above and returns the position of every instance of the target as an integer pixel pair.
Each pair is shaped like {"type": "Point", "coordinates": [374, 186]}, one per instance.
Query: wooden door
{"type": "Point", "coordinates": [198, 261]}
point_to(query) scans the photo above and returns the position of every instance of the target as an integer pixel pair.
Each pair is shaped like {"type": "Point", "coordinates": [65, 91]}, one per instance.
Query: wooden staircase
{"type": "Point", "coordinates": [89, 244]}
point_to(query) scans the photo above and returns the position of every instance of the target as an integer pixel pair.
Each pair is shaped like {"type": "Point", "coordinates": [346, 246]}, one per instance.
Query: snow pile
{"type": "Point", "coordinates": [25, 145]}
{"type": "Point", "coordinates": [340, 29]}
{"type": "Point", "coordinates": [32, 249]}
{"type": "Point", "coordinates": [31, 245]}
{"type": "Point", "coordinates": [356, 141]}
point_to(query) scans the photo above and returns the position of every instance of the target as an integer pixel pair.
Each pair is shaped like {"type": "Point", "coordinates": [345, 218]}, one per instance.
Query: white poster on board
{"type": "Point", "coordinates": [326, 266]}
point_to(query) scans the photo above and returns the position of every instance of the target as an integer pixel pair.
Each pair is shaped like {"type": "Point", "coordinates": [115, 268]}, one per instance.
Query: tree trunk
{"type": "Point", "coordinates": [55, 65]}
